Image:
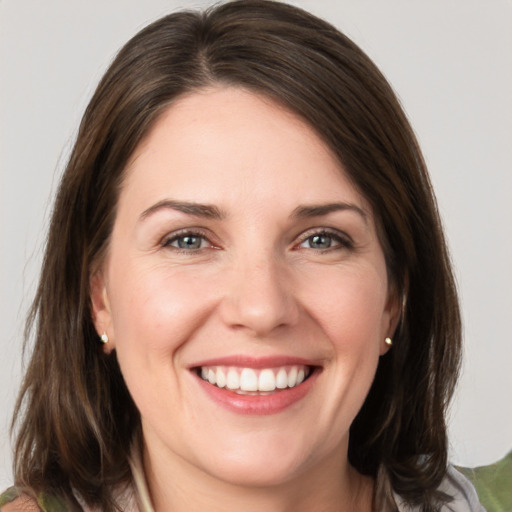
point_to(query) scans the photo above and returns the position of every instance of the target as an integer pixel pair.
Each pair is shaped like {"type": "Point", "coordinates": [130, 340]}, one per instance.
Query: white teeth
{"type": "Point", "coordinates": [233, 380]}
{"type": "Point", "coordinates": [221, 378]}
{"type": "Point", "coordinates": [281, 379]}
{"type": "Point", "coordinates": [267, 381]}
{"type": "Point", "coordinates": [292, 377]}
{"type": "Point", "coordinates": [249, 380]}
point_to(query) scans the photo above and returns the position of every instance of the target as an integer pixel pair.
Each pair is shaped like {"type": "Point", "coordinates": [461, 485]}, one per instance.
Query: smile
{"type": "Point", "coordinates": [248, 381]}
{"type": "Point", "coordinates": [256, 386]}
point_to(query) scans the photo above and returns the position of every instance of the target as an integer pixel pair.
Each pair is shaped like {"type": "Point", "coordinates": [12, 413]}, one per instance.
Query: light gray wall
{"type": "Point", "coordinates": [450, 62]}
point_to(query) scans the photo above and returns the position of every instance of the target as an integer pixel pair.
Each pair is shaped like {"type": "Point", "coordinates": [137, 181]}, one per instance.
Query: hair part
{"type": "Point", "coordinates": [75, 417]}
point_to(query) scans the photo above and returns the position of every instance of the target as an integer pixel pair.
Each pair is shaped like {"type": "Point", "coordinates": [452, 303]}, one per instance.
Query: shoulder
{"type": "Point", "coordinates": [462, 492]}
{"type": "Point", "coordinates": [12, 501]}
{"type": "Point", "coordinates": [455, 485]}
{"type": "Point", "coordinates": [492, 483]}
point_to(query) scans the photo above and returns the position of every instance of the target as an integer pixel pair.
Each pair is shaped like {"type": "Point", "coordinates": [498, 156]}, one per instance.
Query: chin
{"type": "Point", "coordinates": [264, 473]}
{"type": "Point", "coordinates": [261, 462]}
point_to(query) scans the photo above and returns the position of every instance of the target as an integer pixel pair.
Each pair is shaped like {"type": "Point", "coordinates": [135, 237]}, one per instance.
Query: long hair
{"type": "Point", "coordinates": [75, 418]}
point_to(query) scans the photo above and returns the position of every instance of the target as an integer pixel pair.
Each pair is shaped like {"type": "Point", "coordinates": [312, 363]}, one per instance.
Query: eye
{"type": "Point", "coordinates": [187, 242]}
{"type": "Point", "coordinates": [318, 242]}
{"type": "Point", "coordinates": [325, 240]}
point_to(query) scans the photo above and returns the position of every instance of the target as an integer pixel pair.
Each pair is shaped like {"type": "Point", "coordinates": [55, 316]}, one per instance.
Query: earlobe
{"type": "Point", "coordinates": [100, 310]}
{"type": "Point", "coordinates": [394, 309]}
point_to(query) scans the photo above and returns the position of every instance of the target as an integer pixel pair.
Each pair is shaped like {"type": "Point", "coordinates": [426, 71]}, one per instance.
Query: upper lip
{"type": "Point", "coordinates": [244, 361]}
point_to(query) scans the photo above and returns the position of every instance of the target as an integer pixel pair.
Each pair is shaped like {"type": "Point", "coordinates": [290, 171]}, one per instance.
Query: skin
{"type": "Point", "coordinates": [256, 284]}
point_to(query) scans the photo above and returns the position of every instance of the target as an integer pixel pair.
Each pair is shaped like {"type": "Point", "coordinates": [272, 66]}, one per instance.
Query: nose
{"type": "Point", "coordinates": [259, 297]}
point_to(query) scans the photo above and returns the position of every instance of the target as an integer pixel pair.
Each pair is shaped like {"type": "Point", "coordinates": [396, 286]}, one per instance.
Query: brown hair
{"type": "Point", "coordinates": [75, 417]}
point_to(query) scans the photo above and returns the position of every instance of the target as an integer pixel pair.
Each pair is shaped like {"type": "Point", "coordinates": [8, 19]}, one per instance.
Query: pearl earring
{"type": "Point", "coordinates": [104, 338]}
{"type": "Point", "coordinates": [388, 342]}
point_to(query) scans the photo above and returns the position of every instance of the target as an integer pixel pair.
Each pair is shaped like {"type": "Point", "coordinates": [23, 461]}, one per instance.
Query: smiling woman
{"type": "Point", "coordinates": [246, 301]}
{"type": "Point", "coordinates": [209, 304]}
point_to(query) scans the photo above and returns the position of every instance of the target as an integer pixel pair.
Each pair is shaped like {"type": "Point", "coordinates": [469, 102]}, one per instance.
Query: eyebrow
{"type": "Point", "coordinates": [190, 208]}
{"type": "Point", "coordinates": [213, 212]}
{"type": "Point", "coordinates": [325, 209]}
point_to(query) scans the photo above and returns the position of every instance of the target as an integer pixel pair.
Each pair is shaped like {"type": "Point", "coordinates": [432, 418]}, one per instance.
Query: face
{"type": "Point", "coordinates": [244, 290]}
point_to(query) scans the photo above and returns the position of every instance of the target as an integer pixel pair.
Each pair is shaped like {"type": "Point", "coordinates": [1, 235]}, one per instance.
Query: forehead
{"type": "Point", "coordinates": [223, 142]}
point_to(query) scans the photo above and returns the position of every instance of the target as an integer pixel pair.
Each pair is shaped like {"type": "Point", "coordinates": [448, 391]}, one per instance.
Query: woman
{"type": "Point", "coordinates": [246, 300]}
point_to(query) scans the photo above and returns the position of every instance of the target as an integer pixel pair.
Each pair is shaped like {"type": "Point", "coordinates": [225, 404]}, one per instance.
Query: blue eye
{"type": "Point", "coordinates": [321, 241]}
{"type": "Point", "coordinates": [187, 242]}
{"type": "Point", "coordinates": [325, 240]}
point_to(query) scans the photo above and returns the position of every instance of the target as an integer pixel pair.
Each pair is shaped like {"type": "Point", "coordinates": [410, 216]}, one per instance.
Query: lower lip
{"type": "Point", "coordinates": [258, 404]}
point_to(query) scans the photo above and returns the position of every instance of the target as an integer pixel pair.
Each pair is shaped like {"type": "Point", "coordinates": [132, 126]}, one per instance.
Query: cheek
{"type": "Point", "coordinates": [155, 311]}
{"type": "Point", "coordinates": [156, 308]}
{"type": "Point", "coordinates": [352, 307]}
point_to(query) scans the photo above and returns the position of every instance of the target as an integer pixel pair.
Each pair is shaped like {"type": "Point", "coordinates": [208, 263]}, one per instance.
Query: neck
{"type": "Point", "coordinates": [331, 486]}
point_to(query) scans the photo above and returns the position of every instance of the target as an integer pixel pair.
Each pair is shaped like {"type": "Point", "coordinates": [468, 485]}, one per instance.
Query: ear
{"type": "Point", "coordinates": [100, 309]}
{"type": "Point", "coordinates": [392, 315]}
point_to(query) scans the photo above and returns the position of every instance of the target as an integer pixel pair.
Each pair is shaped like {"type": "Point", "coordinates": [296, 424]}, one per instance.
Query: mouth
{"type": "Point", "coordinates": [252, 381]}
{"type": "Point", "coordinates": [256, 386]}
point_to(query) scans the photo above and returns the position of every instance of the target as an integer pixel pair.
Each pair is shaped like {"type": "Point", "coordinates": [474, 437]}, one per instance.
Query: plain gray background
{"type": "Point", "coordinates": [451, 64]}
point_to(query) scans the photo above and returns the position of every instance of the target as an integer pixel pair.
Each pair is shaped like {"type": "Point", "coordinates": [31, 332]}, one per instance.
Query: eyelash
{"type": "Point", "coordinates": [167, 242]}
{"type": "Point", "coordinates": [341, 240]}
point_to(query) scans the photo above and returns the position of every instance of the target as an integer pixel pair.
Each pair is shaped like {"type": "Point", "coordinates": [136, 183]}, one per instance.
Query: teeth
{"type": "Point", "coordinates": [233, 380]}
{"type": "Point", "coordinates": [267, 381]}
{"type": "Point", "coordinates": [292, 377]}
{"type": "Point", "coordinates": [220, 376]}
{"type": "Point", "coordinates": [281, 379]}
{"type": "Point", "coordinates": [251, 380]}
{"type": "Point", "coordinates": [248, 380]}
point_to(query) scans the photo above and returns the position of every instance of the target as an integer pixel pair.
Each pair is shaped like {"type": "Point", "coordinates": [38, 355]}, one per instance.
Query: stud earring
{"type": "Point", "coordinates": [104, 338]}
{"type": "Point", "coordinates": [388, 342]}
